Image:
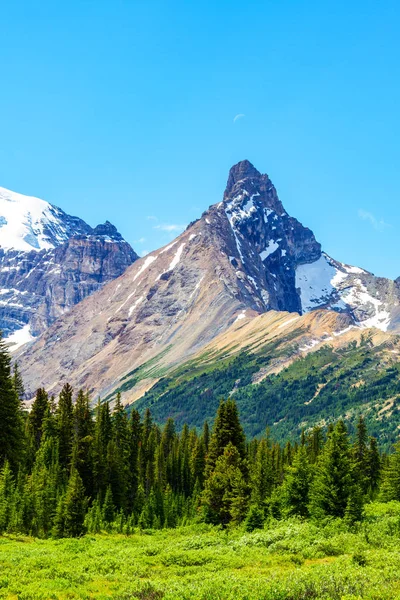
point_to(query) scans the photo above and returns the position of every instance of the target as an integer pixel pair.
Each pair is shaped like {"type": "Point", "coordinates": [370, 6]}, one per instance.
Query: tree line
{"type": "Point", "coordinates": [67, 468]}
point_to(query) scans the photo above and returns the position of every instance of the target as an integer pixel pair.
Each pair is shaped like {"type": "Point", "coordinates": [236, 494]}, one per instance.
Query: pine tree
{"type": "Point", "coordinates": [254, 519]}
{"type": "Point", "coordinates": [333, 481]}
{"type": "Point", "coordinates": [390, 487]}
{"type": "Point", "coordinates": [135, 432]}
{"type": "Point", "coordinates": [102, 437]}
{"type": "Point", "coordinates": [82, 449]}
{"type": "Point", "coordinates": [206, 435]}
{"type": "Point", "coordinates": [7, 487]}
{"type": "Point", "coordinates": [373, 466]}
{"type": "Point", "coordinates": [43, 486]}
{"type": "Point", "coordinates": [185, 479]}
{"type": "Point", "coordinates": [11, 437]}
{"type": "Point", "coordinates": [198, 462]}
{"type": "Point", "coordinates": [39, 411]}
{"type": "Point", "coordinates": [296, 487]}
{"type": "Point", "coordinates": [108, 511]}
{"type": "Point", "coordinates": [18, 383]}
{"type": "Point", "coordinates": [315, 442]}
{"type": "Point", "coordinates": [354, 507]}
{"type": "Point", "coordinates": [168, 436]}
{"type": "Point", "coordinates": [262, 474]}
{"type": "Point", "coordinates": [227, 429]}
{"type": "Point", "coordinates": [118, 452]}
{"type": "Point", "coordinates": [65, 426]}
{"type": "Point", "coordinates": [360, 455]}
{"type": "Point", "coordinates": [225, 495]}
{"type": "Point", "coordinates": [75, 507]}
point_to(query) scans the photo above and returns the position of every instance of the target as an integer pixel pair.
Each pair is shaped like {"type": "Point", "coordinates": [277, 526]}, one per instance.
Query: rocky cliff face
{"type": "Point", "coordinates": [50, 261]}
{"type": "Point", "coordinates": [243, 257]}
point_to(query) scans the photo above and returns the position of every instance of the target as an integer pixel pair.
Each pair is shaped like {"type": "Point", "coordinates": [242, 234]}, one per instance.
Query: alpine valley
{"type": "Point", "coordinates": [243, 303]}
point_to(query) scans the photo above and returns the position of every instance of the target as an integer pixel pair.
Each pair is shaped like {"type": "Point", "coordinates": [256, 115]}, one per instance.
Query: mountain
{"type": "Point", "coordinates": [244, 256]}
{"type": "Point", "coordinates": [50, 261]}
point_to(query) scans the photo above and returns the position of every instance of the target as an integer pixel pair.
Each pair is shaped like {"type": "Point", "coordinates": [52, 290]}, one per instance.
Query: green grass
{"type": "Point", "coordinates": [289, 560]}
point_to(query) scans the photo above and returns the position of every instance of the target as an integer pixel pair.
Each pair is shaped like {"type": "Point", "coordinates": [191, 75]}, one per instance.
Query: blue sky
{"type": "Point", "coordinates": [124, 110]}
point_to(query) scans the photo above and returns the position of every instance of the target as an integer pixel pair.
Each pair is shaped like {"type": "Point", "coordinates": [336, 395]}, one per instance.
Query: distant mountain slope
{"type": "Point", "coordinates": [50, 261]}
{"type": "Point", "coordinates": [286, 373]}
{"type": "Point", "coordinates": [245, 256]}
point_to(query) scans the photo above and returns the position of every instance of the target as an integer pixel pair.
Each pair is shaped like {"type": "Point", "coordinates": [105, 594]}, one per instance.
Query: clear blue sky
{"type": "Point", "coordinates": [124, 110]}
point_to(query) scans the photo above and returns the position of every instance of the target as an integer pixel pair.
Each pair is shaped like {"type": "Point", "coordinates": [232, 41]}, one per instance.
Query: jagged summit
{"type": "Point", "coordinates": [107, 229]}
{"type": "Point", "coordinates": [245, 181]}
{"type": "Point", "coordinates": [242, 170]}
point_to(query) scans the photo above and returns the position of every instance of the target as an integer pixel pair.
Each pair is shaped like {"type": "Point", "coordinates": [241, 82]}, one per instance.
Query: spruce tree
{"type": "Point", "coordinates": [390, 488]}
{"type": "Point", "coordinates": [333, 480]}
{"type": "Point", "coordinates": [206, 435]}
{"type": "Point", "coordinates": [37, 415]}
{"type": "Point", "coordinates": [7, 487]}
{"type": "Point", "coordinates": [373, 466]}
{"type": "Point", "coordinates": [227, 430]}
{"type": "Point", "coordinates": [108, 511]}
{"type": "Point", "coordinates": [198, 462]}
{"type": "Point", "coordinates": [135, 432]}
{"type": "Point", "coordinates": [262, 474]}
{"type": "Point", "coordinates": [225, 495]}
{"type": "Point", "coordinates": [315, 442]}
{"type": "Point", "coordinates": [102, 437]}
{"type": "Point", "coordinates": [75, 504]}
{"type": "Point", "coordinates": [18, 383]}
{"type": "Point", "coordinates": [11, 436]}
{"type": "Point", "coordinates": [82, 449]}
{"type": "Point", "coordinates": [65, 426]}
{"type": "Point", "coordinates": [360, 455]}
{"type": "Point", "coordinates": [296, 487]}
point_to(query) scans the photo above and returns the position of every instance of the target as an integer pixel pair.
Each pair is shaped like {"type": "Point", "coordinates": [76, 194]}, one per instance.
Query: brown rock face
{"type": "Point", "coordinates": [38, 287]}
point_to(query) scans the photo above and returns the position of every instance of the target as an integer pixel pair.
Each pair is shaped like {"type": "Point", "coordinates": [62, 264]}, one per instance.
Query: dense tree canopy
{"type": "Point", "coordinates": [67, 468]}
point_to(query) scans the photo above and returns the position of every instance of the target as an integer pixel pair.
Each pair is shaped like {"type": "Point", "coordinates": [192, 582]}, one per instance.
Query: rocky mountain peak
{"type": "Point", "coordinates": [246, 183]}
{"type": "Point", "coordinates": [107, 229]}
{"type": "Point", "coordinates": [242, 170]}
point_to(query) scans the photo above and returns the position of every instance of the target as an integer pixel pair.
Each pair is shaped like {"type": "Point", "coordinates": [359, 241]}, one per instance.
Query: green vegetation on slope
{"type": "Point", "coordinates": [317, 389]}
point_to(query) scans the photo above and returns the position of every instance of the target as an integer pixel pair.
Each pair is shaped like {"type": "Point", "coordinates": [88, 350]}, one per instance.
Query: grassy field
{"type": "Point", "coordinates": [289, 560]}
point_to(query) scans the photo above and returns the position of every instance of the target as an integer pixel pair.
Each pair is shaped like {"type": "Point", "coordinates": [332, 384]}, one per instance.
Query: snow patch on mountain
{"type": "Point", "coordinates": [270, 249]}
{"type": "Point", "coordinates": [314, 282]}
{"type": "Point", "coordinates": [19, 338]}
{"type": "Point", "coordinates": [177, 257]}
{"type": "Point", "coordinates": [135, 304]}
{"type": "Point", "coordinates": [147, 263]}
{"type": "Point", "coordinates": [325, 283]}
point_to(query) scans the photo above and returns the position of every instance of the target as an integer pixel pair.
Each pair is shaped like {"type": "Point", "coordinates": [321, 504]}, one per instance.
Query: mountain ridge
{"type": "Point", "coordinates": [243, 257]}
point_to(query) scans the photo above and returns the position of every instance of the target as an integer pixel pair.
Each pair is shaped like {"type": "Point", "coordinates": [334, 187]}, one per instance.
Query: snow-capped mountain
{"type": "Point", "coordinates": [294, 274]}
{"type": "Point", "coordinates": [50, 261]}
{"type": "Point", "coordinates": [243, 257]}
{"type": "Point", "coordinates": [28, 223]}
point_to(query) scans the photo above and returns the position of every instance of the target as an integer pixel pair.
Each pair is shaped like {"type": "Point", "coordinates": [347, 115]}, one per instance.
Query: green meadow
{"type": "Point", "coordinates": [286, 560]}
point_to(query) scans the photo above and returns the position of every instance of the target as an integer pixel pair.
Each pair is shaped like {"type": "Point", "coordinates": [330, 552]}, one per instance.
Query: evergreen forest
{"type": "Point", "coordinates": [68, 468]}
